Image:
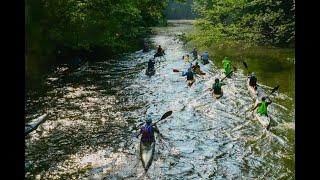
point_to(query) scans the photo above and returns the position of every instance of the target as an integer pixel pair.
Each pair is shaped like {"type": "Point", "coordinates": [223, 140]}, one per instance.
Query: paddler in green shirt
{"type": "Point", "coordinates": [227, 66]}
{"type": "Point", "coordinates": [216, 87]}
{"type": "Point", "coordinates": [262, 110]}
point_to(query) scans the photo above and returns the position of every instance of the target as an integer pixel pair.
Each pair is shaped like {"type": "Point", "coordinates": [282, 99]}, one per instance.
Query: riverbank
{"type": "Point", "coordinates": [272, 65]}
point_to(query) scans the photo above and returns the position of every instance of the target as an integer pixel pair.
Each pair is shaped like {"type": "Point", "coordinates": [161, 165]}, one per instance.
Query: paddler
{"type": "Point", "coordinates": [216, 87]}
{"type": "Point", "coordinates": [263, 106]}
{"type": "Point", "coordinates": [189, 74]}
{"type": "Point", "coordinates": [145, 46]}
{"type": "Point", "coordinates": [148, 130]}
{"type": "Point", "coordinates": [196, 68]}
{"type": "Point", "coordinates": [151, 64]}
{"type": "Point", "coordinates": [253, 80]}
{"type": "Point", "coordinates": [160, 52]}
{"type": "Point", "coordinates": [227, 66]}
{"type": "Point", "coordinates": [205, 57]}
{"type": "Point", "coordinates": [194, 53]}
{"type": "Point", "coordinates": [186, 58]}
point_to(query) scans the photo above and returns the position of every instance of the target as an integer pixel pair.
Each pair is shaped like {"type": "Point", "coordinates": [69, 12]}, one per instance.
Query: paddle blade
{"type": "Point", "coordinates": [274, 89]}
{"type": "Point", "coordinates": [176, 70]}
{"type": "Point", "coordinates": [245, 65]}
{"type": "Point", "coordinates": [166, 115]}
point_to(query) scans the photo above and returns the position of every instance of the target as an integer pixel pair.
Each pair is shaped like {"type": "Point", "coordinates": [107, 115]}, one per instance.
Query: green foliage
{"type": "Point", "coordinates": [87, 23]}
{"type": "Point", "coordinates": [59, 30]}
{"type": "Point", "coordinates": [260, 22]}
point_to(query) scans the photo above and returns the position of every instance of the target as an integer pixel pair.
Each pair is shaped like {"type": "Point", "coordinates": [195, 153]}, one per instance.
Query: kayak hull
{"type": "Point", "coordinates": [147, 151]}
{"type": "Point", "coordinates": [34, 124]}
{"type": "Point", "coordinates": [217, 96]}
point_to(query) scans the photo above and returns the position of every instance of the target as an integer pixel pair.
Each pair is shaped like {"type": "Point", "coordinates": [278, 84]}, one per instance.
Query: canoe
{"type": "Point", "coordinates": [217, 96]}
{"type": "Point", "coordinates": [190, 82]}
{"type": "Point", "coordinates": [150, 72]}
{"type": "Point", "coordinates": [34, 124]}
{"type": "Point", "coordinates": [146, 153]}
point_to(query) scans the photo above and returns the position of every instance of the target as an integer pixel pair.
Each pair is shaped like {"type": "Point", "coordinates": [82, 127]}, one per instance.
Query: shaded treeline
{"type": "Point", "coordinates": [250, 22]}
{"type": "Point", "coordinates": [58, 31]}
{"type": "Point", "coordinates": [180, 10]}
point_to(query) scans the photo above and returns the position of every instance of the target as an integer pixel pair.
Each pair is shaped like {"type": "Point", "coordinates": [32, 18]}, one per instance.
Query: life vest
{"type": "Point", "coordinates": [189, 75]}
{"type": "Point", "coordinates": [253, 81]}
{"type": "Point", "coordinates": [217, 88]}
{"type": "Point", "coordinates": [263, 108]}
{"type": "Point", "coordinates": [147, 134]}
{"type": "Point", "coordinates": [227, 66]}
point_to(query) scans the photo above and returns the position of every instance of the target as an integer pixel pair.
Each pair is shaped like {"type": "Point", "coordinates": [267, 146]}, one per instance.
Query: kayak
{"type": "Point", "coordinates": [190, 82]}
{"type": "Point", "coordinates": [146, 153]}
{"type": "Point", "coordinates": [145, 50]}
{"type": "Point", "coordinates": [150, 72]}
{"type": "Point", "coordinates": [199, 72]}
{"type": "Point", "coordinates": [158, 54]}
{"type": "Point", "coordinates": [34, 124]}
{"type": "Point", "coordinates": [204, 62]}
{"type": "Point", "coordinates": [252, 91]}
{"type": "Point", "coordinates": [217, 96]}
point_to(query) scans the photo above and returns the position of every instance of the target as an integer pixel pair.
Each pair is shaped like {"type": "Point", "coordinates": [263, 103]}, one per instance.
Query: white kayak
{"type": "Point", "coordinates": [34, 124]}
{"type": "Point", "coordinates": [146, 153]}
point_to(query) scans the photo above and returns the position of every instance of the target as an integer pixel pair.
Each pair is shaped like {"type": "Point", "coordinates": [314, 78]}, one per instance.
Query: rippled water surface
{"type": "Point", "coordinates": [94, 112]}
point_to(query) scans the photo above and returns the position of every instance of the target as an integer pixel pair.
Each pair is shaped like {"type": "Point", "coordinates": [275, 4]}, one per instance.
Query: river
{"type": "Point", "coordinates": [94, 112]}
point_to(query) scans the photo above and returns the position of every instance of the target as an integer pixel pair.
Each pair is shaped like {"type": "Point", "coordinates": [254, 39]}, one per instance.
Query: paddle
{"type": "Point", "coordinates": [245, 65]}
{"type": "Point", "coordinates": [226, 75]}
{"type": "Point", "coordinates": [165, 115]}
{"type": "Point", "coordinates": [273, 90]}
{"type": "Point", "coordinates": [176, 70]}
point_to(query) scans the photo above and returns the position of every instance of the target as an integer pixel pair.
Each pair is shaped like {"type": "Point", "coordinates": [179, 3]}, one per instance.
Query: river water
{"type": "Point", "coordinates": [94, 112]}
